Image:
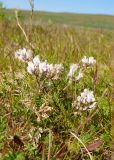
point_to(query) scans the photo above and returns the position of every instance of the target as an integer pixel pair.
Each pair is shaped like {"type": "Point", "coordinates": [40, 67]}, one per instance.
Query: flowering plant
{"type": "Point", "coordinates": [69, 95]}
{"type": "Point", "coordinates": [48, 76]}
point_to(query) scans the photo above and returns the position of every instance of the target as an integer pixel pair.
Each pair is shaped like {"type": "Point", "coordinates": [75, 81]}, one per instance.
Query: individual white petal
{"type": "Point", "coordinates": [30, 68]}
{"type": "Point", "coordinates": [43, 67]}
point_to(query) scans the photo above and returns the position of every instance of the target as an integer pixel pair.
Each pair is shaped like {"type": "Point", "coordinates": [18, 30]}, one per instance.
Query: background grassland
{"type": "Point", "coordinates": [77, 20]}
{"type": "Point", "coordinates": [57, 43]}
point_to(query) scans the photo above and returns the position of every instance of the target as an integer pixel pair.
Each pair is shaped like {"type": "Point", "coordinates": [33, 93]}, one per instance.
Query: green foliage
{"type": "Point", "coordinates": [15, 156]}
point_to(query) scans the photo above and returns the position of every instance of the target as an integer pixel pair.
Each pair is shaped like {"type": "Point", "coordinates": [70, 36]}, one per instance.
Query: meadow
{"type": "Point", "coordinates": [65, 19]}
{"type": "Point", "coordinates": [42, 114]}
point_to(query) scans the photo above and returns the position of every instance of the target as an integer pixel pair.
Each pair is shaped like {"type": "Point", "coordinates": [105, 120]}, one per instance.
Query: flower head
{"type": "Point", "coordinates": [88, 61]}
{"type": "Point", "coordinates": [23, 54]}
{"type": "Point", "coordinates": [92, 61]}
{"type": "Point", "coordinates": [86, 97]}
{"type": "Point", "coordinates": [85, 60]}
{"type": "Point", "coordinates": [72, 73]}
{"type": "Point", "coordinates": [73, 69]}
{"type": "Point", "coordinates": [86, 101]}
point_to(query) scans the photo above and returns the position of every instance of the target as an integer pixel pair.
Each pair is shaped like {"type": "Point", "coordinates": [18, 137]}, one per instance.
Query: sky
{"type": "Point", "coordinates": [74, 6]}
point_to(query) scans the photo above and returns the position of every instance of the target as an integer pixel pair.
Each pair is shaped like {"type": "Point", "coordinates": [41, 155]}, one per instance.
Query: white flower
{"type": "Point", "coordinates": [31, 68]}
{"type": "Point", "coordinates": [50, 68]}
{"type": "Point", "coordinates": [36, 61]}
{"type": "Point", "coordinates": [23, 54]}
{"type": "Point", "coordinates": [43, 67]}
{"type": "Point", "coordinates": [20, 54]}
{"type": "Point", "coordinates": [90, 97]}
{"type": "Point", "coordinates": [85, 60]}
{"type": "Point", "coordinates": [92, 61]}
{"type": "Point", "coordinates": [73, 69]}
{"type": "Point", "coordinates": [54, 70]}
{"type": "Point", "coordinates": [71, 74]}
{"type": "Point", "coordinates": [86, 101]}
{"type": "Point", "coordinates": [88, 61]}
{"type": "Point", "coordinates": [86, 97]}
{"type": "Point", "coordinates": [58, 68]}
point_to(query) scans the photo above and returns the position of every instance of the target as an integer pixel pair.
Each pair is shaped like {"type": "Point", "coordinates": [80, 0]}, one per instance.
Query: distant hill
{"type": "Point", "coordinates": [66, 19]}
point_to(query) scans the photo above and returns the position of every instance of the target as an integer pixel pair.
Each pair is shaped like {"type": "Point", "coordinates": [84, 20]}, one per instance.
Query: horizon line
{"type": "Point", "coordinates": [65, 12]}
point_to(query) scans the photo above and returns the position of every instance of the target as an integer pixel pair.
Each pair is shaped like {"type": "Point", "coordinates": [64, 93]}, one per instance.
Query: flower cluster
{"type": "Point", "coordinates": [23, 54]}
{"type": "Point", "coordinates": [88, 61]}
{"type": "Point", "coordinates": [73, 75]}
{"type": "Point", "coordinates": [85, 101]}
{"type": "Point", "coordinates": [43, 68]}
{"type": "Point", "coordinates": [86, 97]}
